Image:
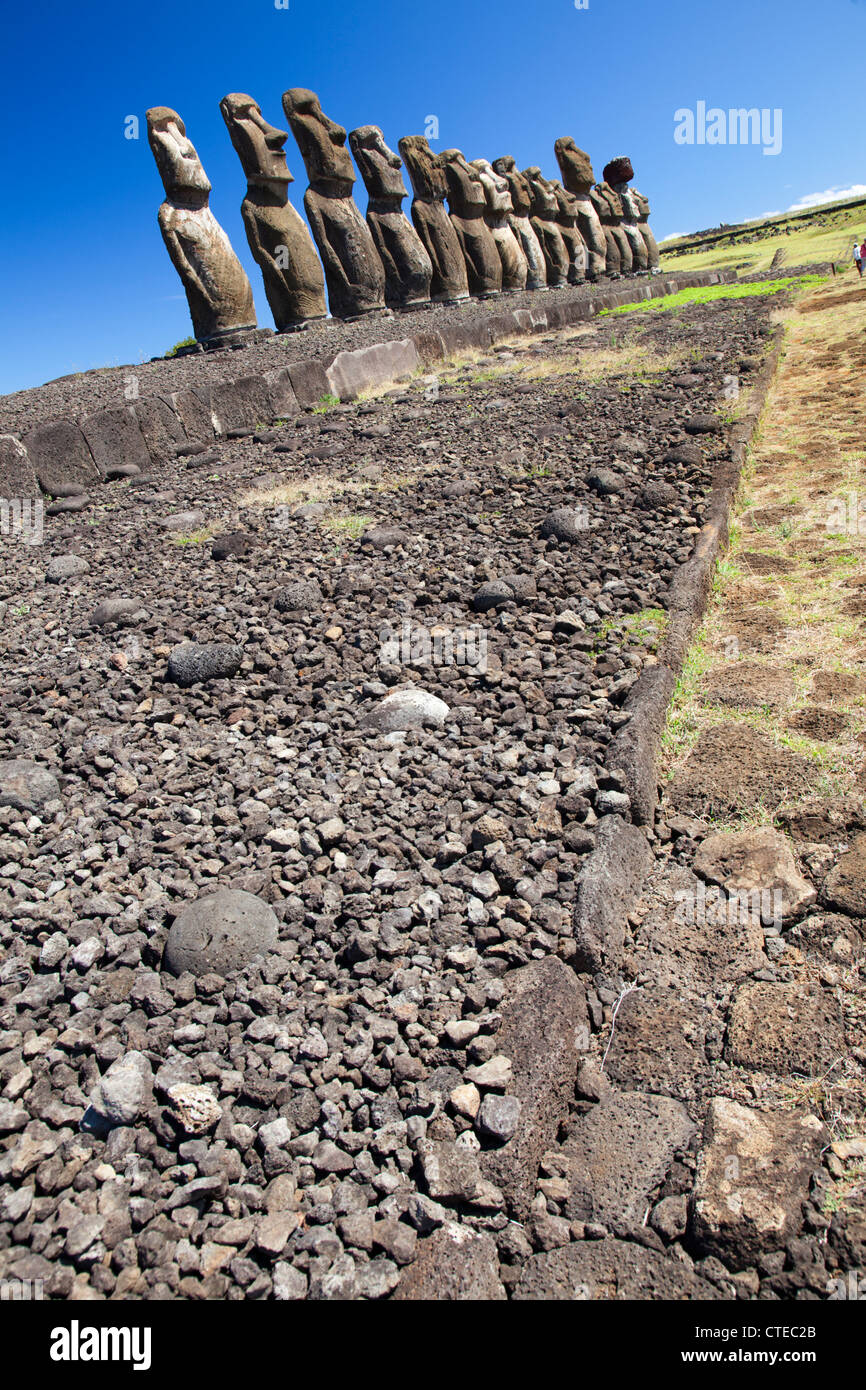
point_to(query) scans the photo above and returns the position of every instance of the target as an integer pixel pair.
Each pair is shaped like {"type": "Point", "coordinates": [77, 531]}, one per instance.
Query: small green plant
{"type": "Point", "coordinates": [194, 537]}
{"type": "Point", "coordinates": [352, 525]}
{"type": "Point", "coordinates": [184, 342]}
{"type": "Point", "coordinates": [325, 403]}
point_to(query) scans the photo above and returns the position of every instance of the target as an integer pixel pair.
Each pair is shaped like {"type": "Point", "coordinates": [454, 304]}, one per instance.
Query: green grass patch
{"type": "Point", "coordinates": [325, 403]}
{"type": "Point", "coordinates": [184, 342]}
{"type": "Point", "coordinates": [707, 294]}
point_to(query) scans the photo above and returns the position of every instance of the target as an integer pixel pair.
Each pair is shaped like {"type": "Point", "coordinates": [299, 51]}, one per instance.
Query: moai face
{"type": "Point", "coordinates": [259, 145]}
{"type": "Point", "coordinates": [322, 143]}
{"type": "Point", "coordinates": [544, 202]}
{"type": "Point", "coordinates": [564, 202]}
{"type": "Point", "coordinates": [425, 168]}
{"type": "Point", "coordinates": [518, 186]}
{"type": "Point", "coordinates": [575, 165]}
{"type": "Point", "coordinates": [496, 189]}
{"type": "Point", "coordinates": [466, 197]}
{"type": "Point", "coordinates": [179, 166]}
{"type": "Point", "coordinates": [381, 169]}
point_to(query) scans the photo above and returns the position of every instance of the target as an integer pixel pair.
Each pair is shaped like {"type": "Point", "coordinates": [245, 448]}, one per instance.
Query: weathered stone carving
{"type": "Point", "coordinates": [635, 207]}
{"type": "Point", "coordinates": [467, 204]}
{"type": "Point", "coordinates": [518, 218]}
{"type": "Point", "coordinates": [278, 238]}
{"type": "Point", "coordinates": [578, 177]}
{"type": "Point", "coordinates": [574, 243]}
{"type": "Point", "coordinates": [609, 207]}
{"type": "Point", "coordinates": [408, 268]}
{"type": "Point", "coordinates": [432, 223]}
{"type": "Point", "coordinates": [353, 270]}
{"type": "Point", "coordinates": [515, 268]}
{"type": "Point", "coordinates": [218, 292]}
{"type": "Point", "coordinates": [545, 224]}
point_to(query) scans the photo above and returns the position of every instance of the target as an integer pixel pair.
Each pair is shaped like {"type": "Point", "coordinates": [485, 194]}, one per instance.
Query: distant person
{"type": "Point", "coordinates": [862, 260]}
{"type": "Point", "coordinates": [859, 252]}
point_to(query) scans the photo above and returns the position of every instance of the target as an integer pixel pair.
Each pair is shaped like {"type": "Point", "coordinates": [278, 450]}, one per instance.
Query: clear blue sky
{"type": "Point", "coordinates": [84, 277]}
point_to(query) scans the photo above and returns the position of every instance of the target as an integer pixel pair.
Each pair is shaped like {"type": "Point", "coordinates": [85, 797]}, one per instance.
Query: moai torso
{"type": "Point", "coordinates": [353, 270]}
{"type": "Point", "coordinates": [545, 224]}
{"type": "Point", "coordinates": [218, 292]}
{"type": "Point", "coordinates": [430, 218]}
{"type": "Point", "coordinates": [521, 206]}
{"type": "Point", "coordinates": [467, 205]}
{"type": "Point", "coordinates": [568, 215]}
{"type": "Point", "coordinates": [515, 268]}
{"type": "Point", "coordinates": [610, 211]}
{"type": "Point", "coordinates": [278, 238]}
{"type": "Point", "coordinates": [578, 178]}
{"type": "Point", "coordinates": [408, 268]}
{"type": "Point", "coordinates": [645, 253]}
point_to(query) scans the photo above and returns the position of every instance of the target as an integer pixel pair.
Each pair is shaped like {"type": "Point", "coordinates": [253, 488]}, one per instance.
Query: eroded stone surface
{"type": "Point", "coordinates": [753, 1177]}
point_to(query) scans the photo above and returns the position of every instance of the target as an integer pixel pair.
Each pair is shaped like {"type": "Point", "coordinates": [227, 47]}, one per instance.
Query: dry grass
{"type": "Point", "coordinates": [803, 481]}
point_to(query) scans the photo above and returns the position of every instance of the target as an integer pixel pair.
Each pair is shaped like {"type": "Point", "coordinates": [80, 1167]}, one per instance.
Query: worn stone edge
{"type": "Point", "coordinates": [634, 750]}
{"type": "Point", "coordinates": [220, 406]}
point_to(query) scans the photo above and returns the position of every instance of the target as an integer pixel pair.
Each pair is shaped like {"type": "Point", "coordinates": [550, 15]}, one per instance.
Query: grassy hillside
{"type": "Point", "coordinates": [825, 234]}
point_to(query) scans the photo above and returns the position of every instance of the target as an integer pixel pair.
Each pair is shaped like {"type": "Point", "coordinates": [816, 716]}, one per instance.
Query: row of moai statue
{"type": "Point", "coordinates": [504, 230]}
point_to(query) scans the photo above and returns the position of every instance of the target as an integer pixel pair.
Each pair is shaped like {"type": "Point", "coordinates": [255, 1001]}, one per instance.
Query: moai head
{"type": "Point", "coordinates": [258, 144]}
{"type": "Point", "coordinates": [179, 166]}
{"type": "Point", "coordinates": [496, 188]}
{"type": "Point", "coordinates": [518, 186]}
{"type": "Point", "coordinates": [466, 197]}
{"type": "Point", "coordinates": [425, 168]}
{"type": "Point", "coordinates": [381, 169]}
{"type": "Point", "coordinates": [643, 207]}
{"type": "Point", "coordinates": [575, 166]}
{"type": "Point", "coordinates": [544, 202]}
{"type": "Point", "coordinates": [322, 143]}
{"type": "Point", "coordinates": [618, 171]}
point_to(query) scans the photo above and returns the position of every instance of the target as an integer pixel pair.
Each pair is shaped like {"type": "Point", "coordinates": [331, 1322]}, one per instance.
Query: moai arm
{"type": "Point", "coordinates": [184, 261]}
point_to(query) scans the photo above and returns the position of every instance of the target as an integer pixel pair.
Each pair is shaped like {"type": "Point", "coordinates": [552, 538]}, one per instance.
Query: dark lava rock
{"type": "Point", "coordinates": [609, 1269]}
{"type": "Point", "coordinates": [455, 1264]}
{"type": "Point", "coordinates": [301, 596]}
{"type": "Point", "coordinates": [704, 424]}
{"type": "Point", "coordinates": [123, 611]}
{"type": "Point", "coordinates": [565, 524]}
{"type": "Point", "coordinates": [233, 545]}
{"type": "Point", "coordinates": [605, 482]}
{"type": "Point", "coordinates": [74, 503]}
{"type": "Point", "coordinates": [220, 934]}
{"type": "Point", "coordinates": [65, 567]}
{"type": "Point", "coordinates": [26, 785]}
{"type": "Point", "coordinates": [193, 661]}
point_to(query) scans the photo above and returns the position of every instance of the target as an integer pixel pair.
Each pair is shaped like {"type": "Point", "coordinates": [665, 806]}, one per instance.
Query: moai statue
{"type": "Point", "coordinates": [408, 268]}
{"type": "Point", "coordinates": [467, 205]}
{"type": "Point", "coordinates": [545, 224]}
{"type": "Point", "coordinates": [574, 243]}
{"type": "Point", "coordinates": [609, 207]}
{"type": "Point", "coordinates": [578, 177]}
{"type": "Point", "coordinates": [278, 237]}
{"type": "Point", "coordinates": [432, 223]}
{"type": "Point", "coordinates": [353, 270]}
{"type": "Point", "coordinates": [635, 210]}
{"type": "Point", "coordinates": [217, 290]}
{"type": "Point", "coordinates": [515, 268]}
{"type": "Point", "coordinates": [518, 218]}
